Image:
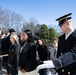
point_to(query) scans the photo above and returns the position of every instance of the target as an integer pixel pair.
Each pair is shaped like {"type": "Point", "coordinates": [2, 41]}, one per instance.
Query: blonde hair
{"type": "Point", "coordinates": [15, 37]}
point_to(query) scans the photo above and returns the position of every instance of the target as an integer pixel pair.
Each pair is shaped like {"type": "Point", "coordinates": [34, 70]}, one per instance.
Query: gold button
{"type": "Point", "coordinates": [62, 70]}
{"type": "Point", "coordinates": [69, 73]}
{"type": "Point", "coordinates": [61, 53]}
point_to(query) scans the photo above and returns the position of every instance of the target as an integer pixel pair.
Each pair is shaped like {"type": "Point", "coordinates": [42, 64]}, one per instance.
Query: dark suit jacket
{"type": "Point", "coordinates": [66, 62]}
{"type": "Point", "coordinates": [7, 44]}
{"type": "Point", "coordinates": [27, 59]}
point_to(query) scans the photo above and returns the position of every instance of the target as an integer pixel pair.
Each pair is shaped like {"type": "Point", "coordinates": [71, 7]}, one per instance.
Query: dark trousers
{"type": "Point", "coordinates": [12, 69]}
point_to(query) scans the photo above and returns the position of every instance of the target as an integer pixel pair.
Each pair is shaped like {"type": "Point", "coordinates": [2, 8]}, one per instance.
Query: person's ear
{"type": "Point", "coordinates": [67, 24]}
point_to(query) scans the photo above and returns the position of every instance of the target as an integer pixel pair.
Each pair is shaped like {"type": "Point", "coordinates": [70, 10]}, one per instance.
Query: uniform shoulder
{"type": "Point", "coordinates": [74, 33]}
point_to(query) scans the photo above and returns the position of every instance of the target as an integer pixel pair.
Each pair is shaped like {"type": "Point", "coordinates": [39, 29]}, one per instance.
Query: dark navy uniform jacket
{"type": "Point", "coordinates": [66, 62]}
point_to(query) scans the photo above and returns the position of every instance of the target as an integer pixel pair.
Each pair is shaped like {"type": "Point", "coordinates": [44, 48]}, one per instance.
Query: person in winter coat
{"type": "Point", "coordinates": [27, 59]}
{"type": "Point", "coordinates": [13, 55]}
{"type": "Point", "coordinates": [43, 53]}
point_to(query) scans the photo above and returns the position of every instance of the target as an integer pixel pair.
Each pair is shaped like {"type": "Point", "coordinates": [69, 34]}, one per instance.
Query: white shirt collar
{"type": "Point", "coordinates": [67, 35]}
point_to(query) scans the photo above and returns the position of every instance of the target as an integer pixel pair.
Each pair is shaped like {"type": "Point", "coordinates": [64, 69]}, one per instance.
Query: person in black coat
{"type": "Point", "coordinates": [27, 59]}
{"type": "Point", "coordinates": [66, 62]}
{"type": "Point", "coordinates": [6, 45]}
{"type": "Point", "coordinates": [7, 40]}
{"type": "Point", "coordinates": [43, 53]}
{"type": "Point", "coordinates": [13, 55]}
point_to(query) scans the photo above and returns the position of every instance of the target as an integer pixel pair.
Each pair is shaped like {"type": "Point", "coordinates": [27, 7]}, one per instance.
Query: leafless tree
{"type": "Point", "coordinates": [10, 19]}
{"type": "Point", "coordinates": [30, 24]}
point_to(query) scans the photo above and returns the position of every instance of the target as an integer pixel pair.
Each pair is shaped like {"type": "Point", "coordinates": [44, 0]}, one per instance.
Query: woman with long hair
{"type": "Point", "coordinates": [13, 55]}
{"type": "Point", "coordinates": [27, 59]}
{"type": "Point", "coordinates": [43, 52]}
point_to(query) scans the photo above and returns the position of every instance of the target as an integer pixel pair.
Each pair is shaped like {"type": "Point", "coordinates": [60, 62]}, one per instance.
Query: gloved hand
{"type": "Point", "coordinates": [45, 65]}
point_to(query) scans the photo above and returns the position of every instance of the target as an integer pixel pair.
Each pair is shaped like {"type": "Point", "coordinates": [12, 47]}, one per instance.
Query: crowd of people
{"type": "Point", "coordinates": [30, 55]}
{"type": "Point", "coordinates": [25, 51]}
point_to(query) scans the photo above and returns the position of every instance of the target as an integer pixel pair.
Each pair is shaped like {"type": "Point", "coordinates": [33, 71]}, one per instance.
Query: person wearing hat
{"type": "Point", "coordinates": [6, 45]}
{"type": "Point", "coordinates": [27, 59]}
{"type": "Point", "coordinates": [7, 40]}
{"type": "Point", "coordinates": [11, 31]}
{"type": "Point", "coordinates": [13, 55]}
{"type": "Point", "coordinates": [65, 64]}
